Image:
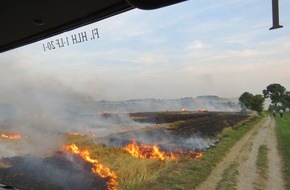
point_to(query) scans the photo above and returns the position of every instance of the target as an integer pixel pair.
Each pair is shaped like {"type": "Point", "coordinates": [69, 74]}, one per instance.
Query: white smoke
{"type": "Point", "coordinates": [42, 109]}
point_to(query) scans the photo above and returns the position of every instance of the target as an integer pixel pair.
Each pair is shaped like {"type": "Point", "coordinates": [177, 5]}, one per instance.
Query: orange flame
{"type": "Point", "coordinates": [10, 137]}
{"type": "Point", "coordinates": [202, 110]}
{"type": "Point", "coordinates": [198, 155]}
{"type": "Point", "coordinates": [147, 151]}
{"type": "Point", "coordinates": [154, 152]}
{"type": "Point", "coordinates": [89, 133]}
{"type": "Point", "coordinates": [75, 134]}
{"type": "Point", "coordinates": [97, 168]}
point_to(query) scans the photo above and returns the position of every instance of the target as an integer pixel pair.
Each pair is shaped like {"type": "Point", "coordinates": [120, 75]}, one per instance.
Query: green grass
{"type": "Point", "coordinates": [283, 135]}
{"type": "Point", "coordinates": [189, 174]}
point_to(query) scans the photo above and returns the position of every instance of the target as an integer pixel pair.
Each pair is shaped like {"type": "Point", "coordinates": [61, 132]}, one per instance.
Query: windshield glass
{"type": "Point", "coordinates": [157, 77]}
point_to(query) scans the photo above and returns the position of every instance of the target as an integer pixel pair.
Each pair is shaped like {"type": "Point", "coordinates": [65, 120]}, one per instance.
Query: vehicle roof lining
{"type": "Point", "coordinates": [28, 21]}
{"type": "Point", "coordinates": [33, 20]}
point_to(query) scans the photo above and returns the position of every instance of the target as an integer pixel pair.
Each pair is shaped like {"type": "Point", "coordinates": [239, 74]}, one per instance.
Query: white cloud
{"type": "Point", "coordinates": [243, 53]}
{"type": "Point", "coordinates": [196, 45]}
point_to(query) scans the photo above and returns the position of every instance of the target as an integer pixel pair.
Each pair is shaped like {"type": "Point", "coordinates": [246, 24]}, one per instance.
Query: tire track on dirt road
{"type": "Point", "coordinates": [275, 165]}
{"type": "Point", "coordinates": [262, 133]}
{"type": "Point", "coordinates": [247, 169]}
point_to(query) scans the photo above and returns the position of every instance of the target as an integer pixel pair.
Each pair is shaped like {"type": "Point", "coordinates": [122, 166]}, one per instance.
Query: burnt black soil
{"type": "Point", "coordinates": [188, 123]}
{"type": "Point", "coordinates": [167, 117]}
{"type": "Point", "coordinates": [178, 127]}
{"type": "Point", "coordinates": [53, 173]}
{"type": "Point", "coordinates": [209, 125]}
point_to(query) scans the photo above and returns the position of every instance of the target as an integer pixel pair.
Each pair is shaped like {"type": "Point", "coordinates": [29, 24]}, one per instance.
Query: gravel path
{"type": "Point", "coordinates": [245, 152]}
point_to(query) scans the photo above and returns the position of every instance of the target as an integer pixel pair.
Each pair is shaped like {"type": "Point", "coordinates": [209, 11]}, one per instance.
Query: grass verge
{"type": "Point", "coordinates": [283, 135]}
{"type": "Point", "coordinates": [262, 161]}
{"type": "Point", "coordinates": [262, 164]}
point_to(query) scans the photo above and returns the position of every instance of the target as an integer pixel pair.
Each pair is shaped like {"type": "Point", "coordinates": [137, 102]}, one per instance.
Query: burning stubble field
{"type": "Point", "coordinates": [165, 153]}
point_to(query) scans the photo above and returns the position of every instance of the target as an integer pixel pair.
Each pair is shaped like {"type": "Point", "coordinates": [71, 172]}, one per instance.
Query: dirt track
{"type": "Point", "coordinates": [244, 153]}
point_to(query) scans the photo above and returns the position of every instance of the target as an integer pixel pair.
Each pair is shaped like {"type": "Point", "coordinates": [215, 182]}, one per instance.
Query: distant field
{"type": "Point", "coordinates": [188, 123]}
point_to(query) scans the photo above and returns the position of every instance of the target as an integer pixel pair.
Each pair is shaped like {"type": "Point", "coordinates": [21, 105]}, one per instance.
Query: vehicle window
{"type": "Point", "coordinates": [140, 100]}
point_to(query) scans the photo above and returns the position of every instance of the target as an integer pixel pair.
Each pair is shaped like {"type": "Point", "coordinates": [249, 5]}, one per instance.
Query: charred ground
{"type": "Point", "coordinates": [176, 130]}
{"type": "Point", "coordinates": [56, 172]}
{"type": "Point", "coordinates": [188, 123]}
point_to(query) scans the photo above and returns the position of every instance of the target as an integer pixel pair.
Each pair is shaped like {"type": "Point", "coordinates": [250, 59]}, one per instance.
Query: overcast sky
{"type": "Point", "coordinates": [193, 48]}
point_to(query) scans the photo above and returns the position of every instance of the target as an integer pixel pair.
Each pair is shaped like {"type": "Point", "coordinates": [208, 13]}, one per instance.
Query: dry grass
{"type": "Point", "coordinates": [225, 132]}
{"type": "Point", "coordinates": [262, 164]}
{"type": "Point", "coordinates": [4, 164]}
{"type": "Point", "coordinates": [245, 121]}
{"type": "Point", "coordinates": [130, 170]}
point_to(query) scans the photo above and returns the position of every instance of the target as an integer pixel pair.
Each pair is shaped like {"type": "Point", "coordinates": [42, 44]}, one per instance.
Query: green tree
{"type": "Point", "coordinates": [257, 103]}
{"type": "Point", "coordinates": [245, 100]}
{"type": "Point", "coordinates": [252, 102]}
{"type": "Point", "coordinates": [275, 92]}
{"type": "Point", "coordinates": [286, 100]}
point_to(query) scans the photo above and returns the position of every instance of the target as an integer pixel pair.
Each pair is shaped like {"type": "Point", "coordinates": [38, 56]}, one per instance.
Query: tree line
{"type": "Point", "coordinates": [279, 96]}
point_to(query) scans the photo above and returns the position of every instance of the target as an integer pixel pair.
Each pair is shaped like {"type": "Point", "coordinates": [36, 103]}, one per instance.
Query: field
{"type": "Point", "coordinates": [185, 140]}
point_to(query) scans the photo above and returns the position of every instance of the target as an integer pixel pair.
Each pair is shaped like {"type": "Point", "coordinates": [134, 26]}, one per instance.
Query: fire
{"type": "Point", "coordinates": [192, 154]}
{"type": "Point", "coordinates": [184, 110]}
{"type": "Point", "coordinates": [154, 152]}
{"type": "Point", "coordinates": [10, 137]}
{"type": "Point", "coordinates": [97, 167]}
{"type": "Point", "coordinates": [147, 151]}
{"type": "Point", "coordinates": [89, 132]}
{"type": "Point", "coordinates": [202, 110]}
{"type": "Point", "coordinates": [75, 134]}
{"type": "Point", "coordinates": [198, 155]}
